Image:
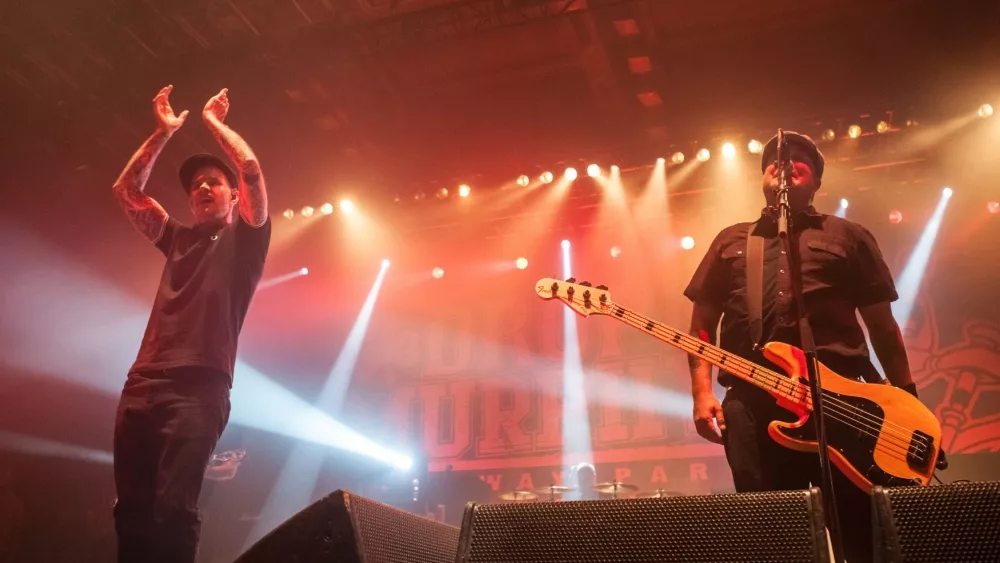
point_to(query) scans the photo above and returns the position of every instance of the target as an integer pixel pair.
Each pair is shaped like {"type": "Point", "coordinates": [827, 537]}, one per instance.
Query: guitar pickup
{"type": "Point", "coordinates": [920, 451]}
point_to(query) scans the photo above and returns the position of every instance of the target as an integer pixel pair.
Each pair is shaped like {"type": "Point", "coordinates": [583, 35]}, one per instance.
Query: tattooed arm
{"type": "Point", "coordinates": [253, 195]}
{"type": "Point", "coordinates": [145, 214]}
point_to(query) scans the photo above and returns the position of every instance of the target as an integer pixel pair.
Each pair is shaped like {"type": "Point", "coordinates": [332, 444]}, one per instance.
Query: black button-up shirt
{"type": "Point", "coordinates": [842, 270]}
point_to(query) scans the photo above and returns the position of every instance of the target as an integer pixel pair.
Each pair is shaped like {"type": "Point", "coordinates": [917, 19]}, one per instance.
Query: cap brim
{"type": "Point", "coordinates": [194, 162]}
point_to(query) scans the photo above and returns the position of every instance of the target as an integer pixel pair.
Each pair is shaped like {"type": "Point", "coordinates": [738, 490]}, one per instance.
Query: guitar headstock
{"type": "Point", "coordinates": [581, 297]}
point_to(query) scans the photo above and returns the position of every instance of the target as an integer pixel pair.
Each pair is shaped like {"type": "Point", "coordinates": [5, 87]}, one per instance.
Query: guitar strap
{"type": "Point", "coordinates": [755, 285]}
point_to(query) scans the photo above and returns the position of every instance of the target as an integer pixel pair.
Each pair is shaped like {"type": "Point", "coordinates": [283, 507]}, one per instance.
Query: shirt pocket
{"type": "Point", "coordinates": [734, 257]}
{"type": "Point", "coordinates": [824, 262]}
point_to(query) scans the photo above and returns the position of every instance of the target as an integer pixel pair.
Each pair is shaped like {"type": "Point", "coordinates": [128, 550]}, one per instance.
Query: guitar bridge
{"type": "Point", "coordinates": [921, 450]}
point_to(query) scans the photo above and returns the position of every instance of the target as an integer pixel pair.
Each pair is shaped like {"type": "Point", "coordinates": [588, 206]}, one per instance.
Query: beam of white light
{"type": "Point", "coordinates": [331, 398]}
{"type": "Point", "coordinates": [909, 282]}
{"type": "Point", "coordinates": [296, 484]}
{"type": "Point", "coordinates": [271, 282]}
{"type": "Point", "coordinates": [33, 445]}
{"type": "Point", "coordinates": [841, 209]}
{"type": "Point", "coordinates": [575, 420]}
{"type": "Point", "coordinates": [261, 403]}
{"type": "Point", "coordinates": [60, 319]}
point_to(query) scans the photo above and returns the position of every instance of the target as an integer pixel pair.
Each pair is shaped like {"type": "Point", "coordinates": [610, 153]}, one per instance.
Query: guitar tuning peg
{"type": "Point", "coordinates": [571, 280]}
{"type": "Point", "coordinates": [602, 287]}
{"type": "Point", "coordinates": [587, 283]}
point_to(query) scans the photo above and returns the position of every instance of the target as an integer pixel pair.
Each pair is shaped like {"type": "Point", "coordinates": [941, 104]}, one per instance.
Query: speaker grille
{"type": "Point", "coordinates": [759, 527]}
{"type": "Point", "coordinates": [943, 523]}
{"type": "Point", "coordinates": [389, 535]}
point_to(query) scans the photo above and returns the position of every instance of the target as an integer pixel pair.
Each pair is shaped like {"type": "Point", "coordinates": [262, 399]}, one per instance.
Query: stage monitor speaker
{"type": "Point", "coordinates": [939, 524]}
{"type": "Point", "coordinates": [346, 528]}
{"type": "Point", "coordinates": [754, 527]}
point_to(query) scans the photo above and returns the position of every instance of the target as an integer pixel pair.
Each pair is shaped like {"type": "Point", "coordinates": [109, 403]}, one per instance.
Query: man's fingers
{"type": "Point", "coordinates": [163, 91]}
{"type": "Point", "coordinates": [183, 115]}
{"type": "Point", "coordinates": [706, 429]}
{"type": "Point", "coordinates": [720, 418]}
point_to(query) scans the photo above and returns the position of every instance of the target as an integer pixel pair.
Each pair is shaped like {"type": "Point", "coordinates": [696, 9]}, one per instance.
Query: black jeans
{"type": "Point", "coordinates": [758, 463]}
{"type": "Point", "coordinates": [166, 428]}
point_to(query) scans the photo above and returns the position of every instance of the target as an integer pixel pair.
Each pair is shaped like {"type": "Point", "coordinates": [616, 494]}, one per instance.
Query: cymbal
{"type": "Point", "coordinates": [519, 496]}
{"type": "Point", "coordinates": [553, 490]}
{"type": "Point", "coordinates": [659, 493]}
{"type": "Point", "coordinates": [611, 488]}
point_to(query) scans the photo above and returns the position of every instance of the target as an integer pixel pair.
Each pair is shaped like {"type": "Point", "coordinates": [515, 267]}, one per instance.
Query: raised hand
{"type": "Point", "coordinates": [168, 122]}
{"type": "Point", "coordinates": [217, 107]}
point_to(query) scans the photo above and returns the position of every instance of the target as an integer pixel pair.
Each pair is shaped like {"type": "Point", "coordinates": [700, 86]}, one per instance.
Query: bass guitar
{"type": "Point", "coordinates": [876, 434]}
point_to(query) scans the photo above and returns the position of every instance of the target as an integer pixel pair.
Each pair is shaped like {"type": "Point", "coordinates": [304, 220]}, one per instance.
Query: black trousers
{"type": "Point", "coordinates": [166, 428]}
{"type": "Point", "coordinates": [758, 463]}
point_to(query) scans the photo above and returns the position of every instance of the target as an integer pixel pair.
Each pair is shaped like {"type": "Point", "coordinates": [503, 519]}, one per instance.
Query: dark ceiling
{"type": "Point", "coordinates": [392, 93]}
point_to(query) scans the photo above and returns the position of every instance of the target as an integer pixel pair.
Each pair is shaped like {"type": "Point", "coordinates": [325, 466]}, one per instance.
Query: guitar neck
{"type": "Point", "coordinates": [746, 370]}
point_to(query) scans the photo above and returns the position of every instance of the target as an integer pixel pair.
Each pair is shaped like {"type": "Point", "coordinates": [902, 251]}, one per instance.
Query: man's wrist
{"type": "Point", "coordinates": [910, 388]}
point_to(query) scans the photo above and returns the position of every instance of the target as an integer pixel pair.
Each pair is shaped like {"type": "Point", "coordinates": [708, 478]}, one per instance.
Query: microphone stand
{"type": "Point", "coordinates": [809, 349]}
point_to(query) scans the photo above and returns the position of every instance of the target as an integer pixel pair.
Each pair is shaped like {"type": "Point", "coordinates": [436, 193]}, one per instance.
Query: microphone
{"type": "Point", "coordinates": [781, 192]}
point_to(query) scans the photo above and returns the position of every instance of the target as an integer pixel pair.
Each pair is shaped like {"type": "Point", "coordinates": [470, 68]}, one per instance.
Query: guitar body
{"type": "Point", "coordinates": [876, 434]}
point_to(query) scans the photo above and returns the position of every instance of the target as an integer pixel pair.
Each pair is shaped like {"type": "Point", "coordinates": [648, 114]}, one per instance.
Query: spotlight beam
{"type": "Point", "coordinates": [33, 445]}
{"type": "Point", "coordinates": [296, 483]}
{"type": "Point", "coordinates": [575, 420]}
{"type": "Point", "coordinates": [913, 273]}
{"type": "Point", "coordinates": [271, 282]}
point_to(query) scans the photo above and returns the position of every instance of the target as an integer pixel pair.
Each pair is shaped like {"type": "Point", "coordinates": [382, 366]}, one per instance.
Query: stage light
{"type": "Point", "coordinates": [416, 197]}
{"type": "Point", "coordinates": [523, 180]}
{"type": "Point", "coordinates": [947, 192]}
{"type": "Point", "coordinates": [841, 210]}
{"type": "Point", "coordinates": [985, 110]}
{"type": "Point", "coordinates": [687, 243]}
{"type": "Point", "coordinates": [326, 208]}
{"type": "Point", "coordinates": [280, 279]}
{"type": "Point", "coordinates": [464, 190]}
{"type": "Point", "coordinates": [703, 155]}
{"type": "Point", "coordinates": [288, 214]}
{"type": "Point", "coordinates": [306, 211]}
{"type": "Point", "coordinates": [441, 193]}
{"type": "Point", "coordinates": [615, 170]}
{"type": "Point", "coordinates": [829, 135]}
{"type": "Point", "coordinates": [882, 127]}
{"type": "Point", "coordinates": [593, 171]}
{"type": "Point", "coordinates": [728, 150]}
{"type": "Point", "coordinates": [993, 207]}
{"type": "Point", "coordinates": [895, 216]}
{"type": "Point", "coordinates": [755, 146]}
{"type": "Point", "coordinates": [565, 243]}
{"type": "Point", "coordinates": [677, 157]}
{"type": "Point", "coordinates": [546, 177]}
{"type": "Point", "coordinates": [438, 273]}
{"type": "Point", "coordinates": [385, 263]}
{"type": "Point", "coordinates": [346, 206]}
{"type": "Point", "coordinates": [521, 263]}
{"type": "Point", "coordinates": [616, 252]}
{"type": "Point", "coordinates": [854, 131]}
{"type": "Point", "coordinates": [570, 174]}
{"type": "Point", "coordinates": [661, 161]}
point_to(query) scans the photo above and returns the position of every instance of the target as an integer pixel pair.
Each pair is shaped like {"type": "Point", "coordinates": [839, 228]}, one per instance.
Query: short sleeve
{"type": "Point", "coordinates": [709, 282]}
{"type": "Point", "coordinates": [166, 240]}
{"type": "Point", "coordinates": [252, 244]}
{"type": "Point", "coordinates": [869, 273]}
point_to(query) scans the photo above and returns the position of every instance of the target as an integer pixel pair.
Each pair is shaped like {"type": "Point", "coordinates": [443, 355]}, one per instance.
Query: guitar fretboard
{"type": "Point", "coordinates": [775, 383]}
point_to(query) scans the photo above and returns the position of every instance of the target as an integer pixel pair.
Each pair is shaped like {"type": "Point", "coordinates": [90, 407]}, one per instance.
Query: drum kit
{"type": "Point", "coordinates": [614, 489]}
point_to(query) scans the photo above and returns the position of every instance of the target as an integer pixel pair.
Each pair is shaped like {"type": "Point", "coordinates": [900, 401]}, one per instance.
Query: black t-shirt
{"type": "Point", "coordinates": [205, 291]}
{"type": "Point", "coordinates": [842, 270]}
